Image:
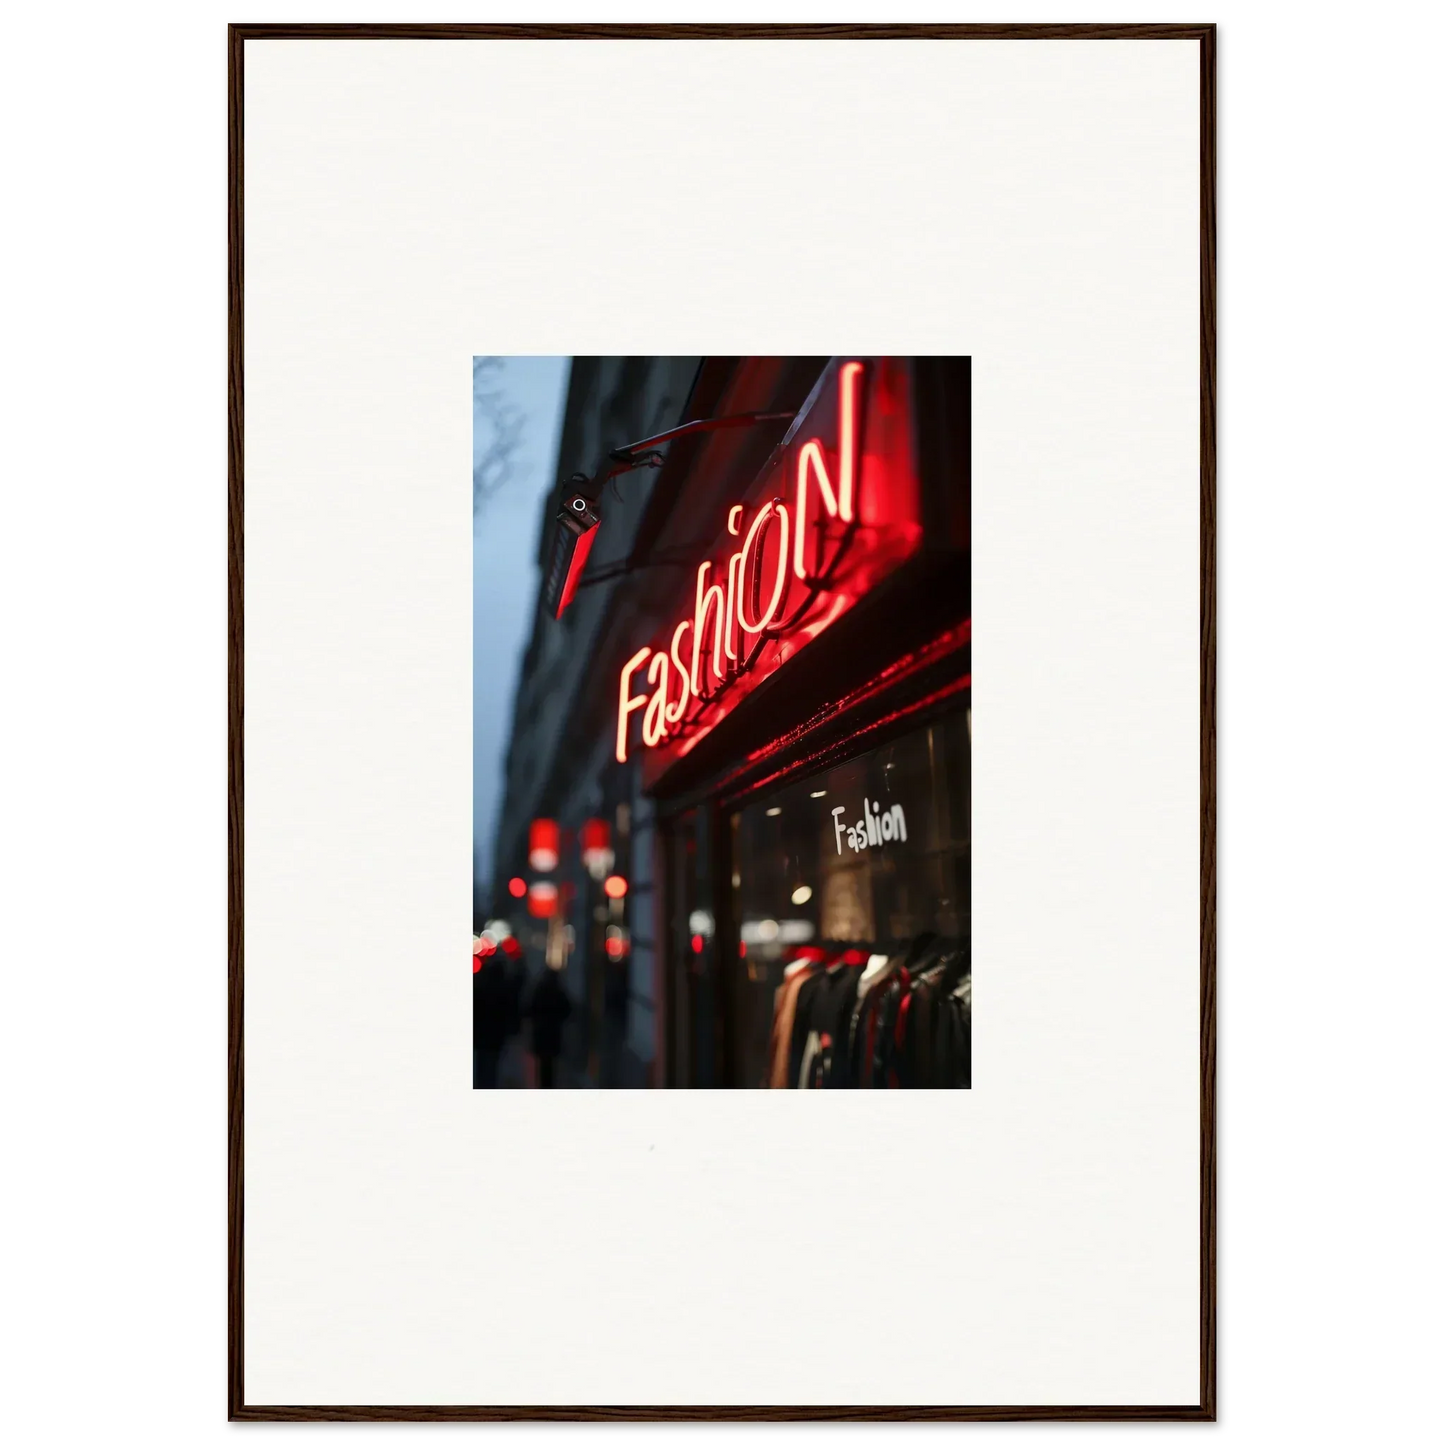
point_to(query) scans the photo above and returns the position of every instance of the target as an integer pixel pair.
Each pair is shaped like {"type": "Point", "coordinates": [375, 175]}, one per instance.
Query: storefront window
{"type": "Point", "coordinates": [869, 861]}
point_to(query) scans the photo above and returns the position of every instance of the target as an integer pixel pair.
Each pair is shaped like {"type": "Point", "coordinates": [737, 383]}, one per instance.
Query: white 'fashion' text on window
{"type": "Point", "coordinates": [872, 830]}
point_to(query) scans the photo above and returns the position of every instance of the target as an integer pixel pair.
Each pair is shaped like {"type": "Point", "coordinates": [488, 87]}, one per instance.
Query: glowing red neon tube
{"type": "Point", "coordinates": [626, 703]}
{"type": "Point", "coordinates": [771, 509]}
{"type": "Point", "coordinates": [576, 567]}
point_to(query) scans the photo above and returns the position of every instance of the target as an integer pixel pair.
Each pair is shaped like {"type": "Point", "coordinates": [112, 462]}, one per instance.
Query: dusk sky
{"type": "Point", "coordinates": [527, 392]}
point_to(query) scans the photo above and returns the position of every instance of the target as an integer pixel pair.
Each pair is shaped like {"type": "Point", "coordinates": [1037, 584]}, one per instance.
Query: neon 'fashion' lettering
{"type": "Point", "coordinates": [710, 600]}
{"type": "Point", "coordinates": [811, 461]}
{"type": "Point", "coordinates": [626, 703]}
{"type": "Point", "coordinates": [725, 607]}
{"type": "Point", "coordinates": [654, 720]}
{"type": "Point", "coordinates": [675, 714]}
{"type": "Point", "coordinates": [770, 509]}
{"type": "Point", "coordinates": [735, 602]}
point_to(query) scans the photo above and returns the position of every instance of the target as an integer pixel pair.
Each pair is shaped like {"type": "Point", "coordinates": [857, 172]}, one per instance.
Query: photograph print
{"type": "Point", "coordinates": [722, 706]}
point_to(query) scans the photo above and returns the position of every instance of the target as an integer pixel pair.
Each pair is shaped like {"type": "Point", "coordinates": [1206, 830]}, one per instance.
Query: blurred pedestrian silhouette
{"type": "Point", "coordinates": [492, 1008]}
{"type": "Point", "coordinates": [548, 1010]}
{"type": "Point", "coordinates": [516, 976]}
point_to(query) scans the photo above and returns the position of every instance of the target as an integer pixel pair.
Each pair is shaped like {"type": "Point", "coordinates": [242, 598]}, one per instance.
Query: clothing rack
{"type": "Point", "coordinates": [907, 1025]}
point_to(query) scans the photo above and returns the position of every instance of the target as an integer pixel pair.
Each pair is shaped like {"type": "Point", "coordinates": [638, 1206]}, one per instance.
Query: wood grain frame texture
{"type": "Point", "coordinates": [1205, 36]}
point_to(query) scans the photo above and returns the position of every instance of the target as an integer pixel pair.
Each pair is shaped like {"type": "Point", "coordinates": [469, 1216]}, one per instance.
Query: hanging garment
{"type": "Point", "coordinates": [864, 1012]}
{"type": "Point", "coordinates": [929, 1042]}
{"type": "Point", "coordinates": [828, 1000]}
{"type": "Point", "coordinates": [923, 1033]}
{"type": "Point", "coordinates": [805, 1046]}
{"type": "Point", "coordinates": [954, 1049]}
{"type": "Point", "coordinates": [909, 1057]}
{"type": "Point", "coordinates": [802, 1011]}
{"type": "Point", "coordinates": [891, 1062]}
{"type": "Point", "coordinates": [810, 1066]}
{"type": "Point", "coordinates": [857, 1021]}
{"type": "Point", "coordinates": [841, 1009]}
{"type": "Point", "coordinates": [902, 1063]}
{"type": "Point", "coordinates": [785, 1005]}
{"type": "Point", "coordinates": [873, 1065]}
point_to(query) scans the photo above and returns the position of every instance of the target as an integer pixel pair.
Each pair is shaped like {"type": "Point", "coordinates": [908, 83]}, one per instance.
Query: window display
{"type": "Point", "coordinates": [852, 893]}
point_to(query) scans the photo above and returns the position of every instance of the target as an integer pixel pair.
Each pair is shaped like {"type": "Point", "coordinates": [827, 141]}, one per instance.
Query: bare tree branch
{"type": "Point", "coordinates": [498, 427]}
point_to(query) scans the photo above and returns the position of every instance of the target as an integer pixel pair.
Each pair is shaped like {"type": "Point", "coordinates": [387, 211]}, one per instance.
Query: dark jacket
{"type": "Point", "coordinates": [548, 1010]}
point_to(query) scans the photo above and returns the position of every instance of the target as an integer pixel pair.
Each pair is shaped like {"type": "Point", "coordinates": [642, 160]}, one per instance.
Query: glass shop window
{"type": "Point", "coordinates": [872, 855]}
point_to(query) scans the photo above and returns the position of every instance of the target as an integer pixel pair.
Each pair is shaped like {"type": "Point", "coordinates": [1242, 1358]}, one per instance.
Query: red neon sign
{"type": "Point", "coordinates": [834, 512]}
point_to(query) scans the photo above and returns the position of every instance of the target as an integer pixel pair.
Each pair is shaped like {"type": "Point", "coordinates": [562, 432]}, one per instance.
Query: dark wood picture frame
{"type": "Point", "coordinates": [238, 1410]}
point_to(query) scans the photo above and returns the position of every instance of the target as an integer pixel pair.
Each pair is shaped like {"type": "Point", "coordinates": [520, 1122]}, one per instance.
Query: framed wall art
{"type": "Point", "coordinates": [723, 518]}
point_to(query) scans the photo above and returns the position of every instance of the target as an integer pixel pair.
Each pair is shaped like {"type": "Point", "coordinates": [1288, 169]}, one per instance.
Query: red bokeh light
{"type": "Point", "coordinates": [615, 886]}
{"type": "Point", "coordinates": [544, 844]}
{"type": "Point", "coordinates": [517, 887]}
{"type": "Point", "coordinates": [697, 943]}
{"type": "Point", "coordinates": [742, 950]}
{"type": "Point", "coordinates": [542, 900]}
